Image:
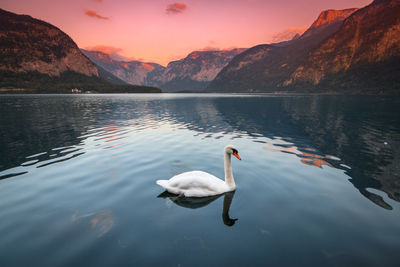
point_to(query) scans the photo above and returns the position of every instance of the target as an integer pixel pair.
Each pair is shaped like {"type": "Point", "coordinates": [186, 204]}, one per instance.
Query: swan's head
{"type": "Point", "coordinates": [230, 149]}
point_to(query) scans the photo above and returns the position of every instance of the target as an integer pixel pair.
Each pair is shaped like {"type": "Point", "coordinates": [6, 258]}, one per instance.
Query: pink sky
{"type": "Point", "coordinates": [160, 30]}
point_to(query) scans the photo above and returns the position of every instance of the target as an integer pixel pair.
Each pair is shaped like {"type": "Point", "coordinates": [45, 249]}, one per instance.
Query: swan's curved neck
{"type": "Point", "coordinates": [228, 170]}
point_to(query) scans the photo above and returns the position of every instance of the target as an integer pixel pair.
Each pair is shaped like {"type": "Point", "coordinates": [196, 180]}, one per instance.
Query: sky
{"type": "Point", "coordinates": [162, 31]}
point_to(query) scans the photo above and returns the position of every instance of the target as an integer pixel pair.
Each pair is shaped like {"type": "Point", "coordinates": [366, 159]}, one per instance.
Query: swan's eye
{"type": "Point", "coordinates": [234, 151]}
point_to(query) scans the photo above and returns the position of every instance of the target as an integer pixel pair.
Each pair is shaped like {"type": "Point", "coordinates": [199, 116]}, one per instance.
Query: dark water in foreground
{"type": "Point", "coordinates": [319, 183]}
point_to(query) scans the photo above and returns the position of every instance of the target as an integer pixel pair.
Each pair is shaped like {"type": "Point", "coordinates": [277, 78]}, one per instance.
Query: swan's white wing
{"type": "Point", "coordinates": [194, 184]}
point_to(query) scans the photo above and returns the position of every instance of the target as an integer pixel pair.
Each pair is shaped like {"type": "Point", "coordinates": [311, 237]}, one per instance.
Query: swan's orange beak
{"type": "Point", "coordinates": [236, 155]}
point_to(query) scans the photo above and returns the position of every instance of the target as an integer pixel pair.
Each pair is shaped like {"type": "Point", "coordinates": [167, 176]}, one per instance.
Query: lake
{"type": "Point", "coordinates": [318, 183]}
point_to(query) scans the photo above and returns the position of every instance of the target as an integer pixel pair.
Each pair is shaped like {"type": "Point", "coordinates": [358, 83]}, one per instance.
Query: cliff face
{"type": "Point", "coordinates": [266, 67]}
{"type": "Point", "coordinates": [28, 44]}
{"type": "Point", "coordinates": [366, 40]}
{"type": "Point", "coordinates": [328, 18]}
{"type": "Point", "coordinates": [133, 72]}
{"type": "Point", "coordinates": [349, 50]}
{"type": "Point", "coordinates": [195, 71]}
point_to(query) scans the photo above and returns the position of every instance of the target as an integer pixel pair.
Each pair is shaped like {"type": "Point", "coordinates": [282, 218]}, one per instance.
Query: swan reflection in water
{"type": "Point", "coordinates": [199, 202]}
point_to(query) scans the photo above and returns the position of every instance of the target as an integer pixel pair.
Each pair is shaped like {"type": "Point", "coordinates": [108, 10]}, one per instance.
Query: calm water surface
{"type": "Point", "coordinates": [319, 183]}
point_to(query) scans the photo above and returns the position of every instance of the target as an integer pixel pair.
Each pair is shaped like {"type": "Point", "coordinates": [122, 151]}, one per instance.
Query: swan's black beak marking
{"type": "Point", "coordinates": [236, 154]}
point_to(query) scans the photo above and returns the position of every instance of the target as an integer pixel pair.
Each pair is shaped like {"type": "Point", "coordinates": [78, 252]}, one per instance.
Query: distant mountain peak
{"type": "Point", "coordinates": [216, 52]}
{"type": "Point", "coordinates": [329, 18]}
{"type": "Point", "coordinates": [332, 15]}
{"type": "Point", "coordinates": [99, 54]}
{"type": "Point", "coordinates": [148, 66]}
{"type": "Point", "coordinates": [197, 69]}
{"type": "Point", "coordinates": [132, 72]}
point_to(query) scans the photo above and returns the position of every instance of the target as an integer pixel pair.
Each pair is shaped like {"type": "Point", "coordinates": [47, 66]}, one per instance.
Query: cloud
{"type": "Point", "coordinates": [232, 47]}
{"type": "Point", "coordinates": [286, 34]}
{"type": "Point", "coordinates": [105, 49]}
{"type": "Point", "coordinates": [124, 58]}
{"type": "Point", "coordinates": [209, 48]}
{"type": "Point", "coordinates": [175, 8]}
{"type": "Point", "coordinates": [114, 52]}
{"type": "Point", "coordinates": [93, 14]}
{"type": "Point", "coordinates": [214, 48]}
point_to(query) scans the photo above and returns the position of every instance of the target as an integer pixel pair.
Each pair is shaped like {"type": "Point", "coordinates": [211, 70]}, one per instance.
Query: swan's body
{"type": "Point", "coordinates": [202, 184]}
{"type": "Point", "coordinates": [195, 184]}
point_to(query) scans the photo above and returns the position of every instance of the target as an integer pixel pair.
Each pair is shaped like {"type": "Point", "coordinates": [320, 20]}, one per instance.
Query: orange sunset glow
{"type": "Point", "coordinates": [161, 31]}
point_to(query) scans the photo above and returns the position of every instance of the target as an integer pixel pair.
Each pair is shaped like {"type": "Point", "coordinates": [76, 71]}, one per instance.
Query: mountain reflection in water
{"type": "Point", "coordinates": [360, 135]}
{"type": "Point", "coordinates": [319, 183]}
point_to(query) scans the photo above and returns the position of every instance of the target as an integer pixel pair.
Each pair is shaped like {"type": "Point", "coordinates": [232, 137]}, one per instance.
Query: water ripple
{"type": "Point", "coordinates": [83, 172]}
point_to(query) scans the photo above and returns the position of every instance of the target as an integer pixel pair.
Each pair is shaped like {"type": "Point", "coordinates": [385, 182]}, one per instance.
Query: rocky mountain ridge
{"type": "Point", "coordinates": [197, 70]}
{"type": "Point", "coordinates": [328, 18]}
{"type": "Point", "coordinates": [194, 72]}
{"type": "Point", "coordinates": [370, 36]}
{"type": "Point", "coordinates": [132, 72]}
{"type": "Point", "coordinates": [29, 44]}
{"type": "Point", "coordinates": [37, 57]}
{"type": "Point", "coordinates": [352, 50]}
{"type": "Point", "coordinates": [266, 67]}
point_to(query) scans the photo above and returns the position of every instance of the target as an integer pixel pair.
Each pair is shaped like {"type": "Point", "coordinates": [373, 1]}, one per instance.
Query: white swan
{"type": "Point", "coordinates": [202, 184]}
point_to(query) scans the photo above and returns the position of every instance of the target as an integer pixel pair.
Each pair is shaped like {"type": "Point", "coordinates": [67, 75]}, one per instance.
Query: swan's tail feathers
{"type": "Point", "coordinates": [162, 183]}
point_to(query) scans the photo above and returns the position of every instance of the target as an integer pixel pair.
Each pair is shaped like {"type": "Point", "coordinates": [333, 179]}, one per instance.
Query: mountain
{"type": "Point", "coordinates": [364, 52]}
{"type": "Point", "coordinates": [194, 72]}
{"type": "Point", "coordinates": [36, 56]}
{"type": "Point", "coordinates": [352, 51]}
{"type": "Point", "coordinates": [132, 72]}
{"type": "Point", "coordinates": [28, 44]}
{"type": "Point", "coordinates": [109, 77]}
{"type": "Point", "coordinates": [197, 70]}
{"type": "Point", "coordinates": [265, 67]}
{"type": "Point", "coordinates": [328, 19]}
